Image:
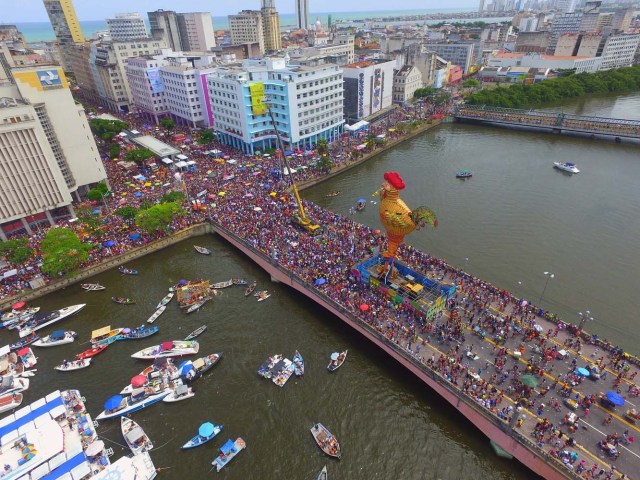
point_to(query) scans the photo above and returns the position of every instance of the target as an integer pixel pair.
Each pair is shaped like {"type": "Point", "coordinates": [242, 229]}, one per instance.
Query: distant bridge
{"type": "Point", "coordinates": [552, 122]}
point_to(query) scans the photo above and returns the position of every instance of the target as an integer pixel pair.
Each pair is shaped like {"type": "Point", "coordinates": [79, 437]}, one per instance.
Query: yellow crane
{"type": "Point", "coordinates": [300, 217]}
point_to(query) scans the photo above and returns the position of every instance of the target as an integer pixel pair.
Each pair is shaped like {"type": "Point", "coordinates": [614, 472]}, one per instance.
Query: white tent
{"type": "Point", "coordinates": [167, 161]}
{"type": "Point", "coordinates": [182, 157]}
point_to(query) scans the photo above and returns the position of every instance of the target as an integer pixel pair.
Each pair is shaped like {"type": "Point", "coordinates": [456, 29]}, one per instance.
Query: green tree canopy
{"type": "Point", "coordinates": [92, 223]}
{"type": "Point", "coordinates": [472, 82]}
{"type": "Point", "coordinates": [16, 251]}
{"type": "Point", "coordinates": [62, 251]}
{"type": "Point", "coordinates": [157, 217]}
{"type": "Point", "coordinates": [425, 93]}
{"type": "Point", "coordinates": [321, 145]}
{"type": "Point", "coordinates": [172, 197]}
{"type": "Point", "coordinates": [127, 213]}
{"type": "Point", "coordinates": [206, 136]}
{"type": "Point", "coordinates": [94, 195]}
{"type": "Point", "coordinates": [138, 155]}
{"type": "Point", "coordinates": [167, 123]}
{"type": "Point", "coordinates": [114, 150]}
{"type": "Point", "coordinates": [325, 163]}
{"type": "Point", "coordinates": [107, 129]}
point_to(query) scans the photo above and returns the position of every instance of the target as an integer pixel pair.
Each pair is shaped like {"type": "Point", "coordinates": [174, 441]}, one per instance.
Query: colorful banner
{"type": "Point", "coordinates": [257, 98]}
{"type": "Point", "coordinates": [155, 80]}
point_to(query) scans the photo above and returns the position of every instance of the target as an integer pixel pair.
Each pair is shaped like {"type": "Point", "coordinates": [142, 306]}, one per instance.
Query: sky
{"type": "Point", "coordinates": [12, 11]}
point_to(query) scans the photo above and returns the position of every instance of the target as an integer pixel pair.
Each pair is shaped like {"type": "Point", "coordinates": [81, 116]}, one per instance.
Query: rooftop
{"type": "Point", "coordinates": [159, 148]}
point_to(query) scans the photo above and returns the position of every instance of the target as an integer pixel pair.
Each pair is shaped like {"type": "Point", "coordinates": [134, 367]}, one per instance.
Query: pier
{"type": "Point", "coordinates": [559, 123]}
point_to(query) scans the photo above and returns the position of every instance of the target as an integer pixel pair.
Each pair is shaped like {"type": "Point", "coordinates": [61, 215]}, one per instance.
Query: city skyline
{"type": "Point", "coordinates": [34, 11]}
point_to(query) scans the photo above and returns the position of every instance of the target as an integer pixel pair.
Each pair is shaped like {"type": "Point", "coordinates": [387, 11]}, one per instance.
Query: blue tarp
{"type": "Point", "coordinates": [96, 211]}
{"type": "Point", "coordinates": [109, 243]}
{"type": "Point", "coordinates": [206, 429]}
{"type": "Point", "coordinates": [137, 194]}
{"type": "Point", "coordinates": [134, 236]}
{"type": "Point", "coordinates": [615, 398]}
{"type": "Point", "coordinates": [228, 447]}
{"type": "Point", "coordinates": [362, 200]}
{"type": "Point", "coordinates": [113, 402]}
{"type": "Point", "coordinates": [320, 281]}
{"type": "Point", "coordinates": [57, 335]}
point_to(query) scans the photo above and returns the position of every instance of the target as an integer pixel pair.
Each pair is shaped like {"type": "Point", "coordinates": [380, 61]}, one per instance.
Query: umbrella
{"type": "Point", "coordinates": [362, 200]}
{"type": "Point", "coordinates": [188, 365]}
{"type": "Point", "coordinates": [206, 429]}
{"type": "Point", "coordinates": [166, 345]}
{"type": "Point", "coordinates": [615, 398]}
{"type": "Point", "coordinates": [529, 381]}
{"type": "Point", "coordinates": [272, 194]}
{"type": "Point", "coordinates": [257, 209]}
{"type": "Point", "coordinates": [182, 282]}
{"type": "Point", "coordinates": [376, 231]}
{"type": "Point", "coordinates": [334, 356]}
{"type": "Point", "coordinates": [109, 243]}
{"type": "Point", "coordinates": [96, 211]}
{"type": "Point", "coordinates": [222, 194]}
{"type": "Point", "coordinates": [134, 236]}
{"type": "Point", "coordinates": [18, 305]}
{"type": "Point", "coordinates": [95, 448]}
{"type": "Point", "coordinates": [320, 281]}
{"type": "Point", "coordinates": [364, 307]}
{"type": "Point", "coordinates": [147, 184]}
{"type": "Point", "coordinates": [126, 330]}
{"type": "Point", "coordinates": [138, 381]}
{"type": "Point", "coordinates": [137, 194]}
{"type": "Point", "coordinates": [582, 371]}
{"type": "Point", "coordinates": [113, 402]}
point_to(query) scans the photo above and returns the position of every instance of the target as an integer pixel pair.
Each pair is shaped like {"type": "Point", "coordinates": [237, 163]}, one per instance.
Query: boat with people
{"type": "Point", "coordinates": [105, 335]}
{"type": "Point", "coordinates": [227, 452]}
{"type": "Point", "coordinates": [361, 204]}
{"type": "Point", "coordinates": [207, 431]}
{"type": "Point", "coordinates": [92, 352]}
{"type": "Point", "coordinates": [23, 342]}
{"type": "Point", "coordinates": [156, 314]}
{"type": "Point", "coordinates": [323, 475]}
{"type": "Point", "coordinates": [337, 359]}
{"type": "Point", "coordinates": [49, 318]}
{"type": "Point", "coordinates": [16, 316]}
{"type": "Point", "coordinates": [239, 281]}
{"type": "Point", "coordinates": [162, 370]}
{"type": "Point", "coordinates": [123, 300]}
{"type": "Point", "coordinates": [137, 333]}
{"type": "Point", "coordinates": [179, 393]}
{"type": "Point", "coordinates": [13, 384]}
{"type": "Point", "coordinates": [464, 174]}
{"type": "Point", "coordinates": [140, 398]}
{"type": "Point", "coordinates": [219, 285]}
{"type": "Point", "coordinates": [197, 305]}
{"type": "Point", "coordinates": [67, 366]}
{"type": "Point", "coordinates": [200, 366]}
{"type": "Point", "coordinates": [282, 372]}
{"type": "Point", "coordinates": [265, 369]}
{"type": "Point", "coordinates": [137, 440]}
{"type": "Point", "coordinates": [566, 167]}
{"type": "Point", "coordinates": [175, 348]}
{"type": "Point", "coordinates": [298, 364]}
{"type": "Point", "coordinates": [127, 271]}
{"type": "Point", "coordinates": [27, 358]}
{"type": "Point", "coordinates": [55, 338]}
{"type": "Point", "coordinates": [166, 299]}
{"type": "Point", "coordinates": [198, 331]}
{"type": "Point", "coordinates": [202, 250]}
{"type": "Point", "coordinates": [326, 441]}
{"type": "Point", "coordinates": [10, 401]}
{"type": "Point", "coordinates": [333, 194]}
{"type": "Point", "coordinates": [249, 290]}
{"type": "Point", "coordinates": [92, 287]}
{"type": "Point", "coordinates": [263, 296]}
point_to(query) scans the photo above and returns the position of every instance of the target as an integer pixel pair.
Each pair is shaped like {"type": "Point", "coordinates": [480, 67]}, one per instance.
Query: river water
{"type": "Point", "coordinates": [514, 219]}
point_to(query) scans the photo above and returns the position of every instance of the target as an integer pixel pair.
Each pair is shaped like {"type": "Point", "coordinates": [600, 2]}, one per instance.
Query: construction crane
{"type": "Point", "coordinates": [300, 217]}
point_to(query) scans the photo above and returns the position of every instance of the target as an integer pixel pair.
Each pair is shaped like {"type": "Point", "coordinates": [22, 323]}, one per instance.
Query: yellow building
{"type": "Point", "coordinates": [65, 25]}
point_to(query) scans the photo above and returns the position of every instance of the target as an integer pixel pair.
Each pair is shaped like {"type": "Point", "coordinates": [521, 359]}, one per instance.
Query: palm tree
{"type": "Point", "coordinates": [322, 146]}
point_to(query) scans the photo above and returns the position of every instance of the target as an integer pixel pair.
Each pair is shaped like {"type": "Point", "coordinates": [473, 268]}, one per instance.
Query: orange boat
{"type": "Point", "coordinates": [92, 352]}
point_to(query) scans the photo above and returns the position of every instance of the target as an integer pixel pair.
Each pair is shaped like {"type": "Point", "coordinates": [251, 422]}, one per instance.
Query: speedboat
{"type": "Point", "coordinates": [92, 352]}
{"type": "Point", "coordinates": [181, 392]}
{"type": "Point", "coordinates": [198, 367]}
{"type": "Point", "coordinates": [134, 435]}
{"type": "Point", "coordinates": [118, 405]}
{"type": "Point", "coordinates": [227, 452]}
{"type": "Point", "coordinates": [105, 336]}
{"type": "Point", "coordinates": [11, 384]}
{"type": "Point", "coordinates": [202, 250]}
{"type": "Point", "coordinates": [206, 432]}
{"type": "Point", "coordinates": [50, 318]}
{"type": "Point", "coordinates": [175, 348]}
{"type": "Point", "coordinates": [92, 287]}
{"type": "Point", "coordinates": [57, 337]}
{"type": "Point", "coordinates": [161, 370]}
{"type": "Point", "coordinates": [566, 167]}
{"type": "Point", "coordinates": [137, 333]}
{"type": "Point", "coordinates": [73, 365]}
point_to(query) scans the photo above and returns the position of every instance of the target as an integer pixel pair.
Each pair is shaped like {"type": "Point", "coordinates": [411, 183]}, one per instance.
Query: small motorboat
{"type": "Point", "coordinates": [249, 290]}
{"type": "Point", "coordinates": [206, 432]}
{"type": "Point", "coordinates": [337, 359]}
{"type": "Point", "coordinates": [361, 204]}
{"type": "Point", "coordinates": [92, 352]}
{"type": "Point", "coordinates": [154, 375]}
{"type": "Point", "coordinates": [298, 364]}
{"type": "Point", "coordinates": [282, 372]}
{"type": "Point", "coordinates": [228, 451]}
{"type": "Point", "coordinates": [267, 365]}
{"type": "Point", "coordinates": [73, 365]}
{"type": "Point", "coordinates": [181, 392]}
{"type": "Point", "coordinates": [200, 366]}
{"type": "Point", "coordinates": [156, 314]}
{"type": "Point", "coordinates": [12, 384]}
{"type": "Point", "coordinates": [238, 281]}
{"type": "Point", "coordinates": [92, 287]}
{"type": "Point", "coordinates": [198, 331]}
{"type": "Point", "coordinates": [202, 250]}
{"type": "Point", "coordinates": [566, 167]}
{"type": "Point", "coordinates": [10, 401]}
{"type": "Point", "coordinates": [167, 298]}
{"type": "Point", "coordinates": [27, 357]}
{"type": "Point", "coordinates": [333, 194]}
{"type": "Point", "coordinates": [464, 174]}
{"type": "Point", "coordinates": [137, 333]}
{"type": "Point", "coordinates": [123, 301]}
{"type": "Point", "coordinates": [23, 342]}
{"type": "Point", "coordinates": [57, 337]}
{"type": "Point", "coordinates": [326, 441]}
{"type": "Point", "coordinates": [118, 405]}
{"type": "Point", "coordinates": [225, 284]}
{"type": "Point", "coordinates": [128, 271]}
{"type": "Point", "coordinates": [263, 296]}
{"type": "Point", "coordinates": [197, 306]}
{"type": "Point", "coordinates": [134, 435]}
{"type": "Point", "coordinates": [175, 348]}
{"type": "Point", "coordinates": [105, 336]}
{"type": "Point", "coordinates": [323, 475]}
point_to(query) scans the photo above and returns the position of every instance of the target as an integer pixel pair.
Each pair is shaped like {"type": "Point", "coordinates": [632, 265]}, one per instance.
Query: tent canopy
{"type": "Point", "coordinates": [101, 331]}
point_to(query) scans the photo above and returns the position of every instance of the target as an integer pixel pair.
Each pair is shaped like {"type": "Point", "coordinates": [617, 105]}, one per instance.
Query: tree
{"type": "Point", "coordinates": [94, 195]}
{"type": "Point", "coordinates": [206, 136]}
{"type": "Point", "coordinates": [127, 213]}
{"type": "Point", "coordinates": [167, 123]}
{"type": "Point", "coordinates": [471, 83]}
{"type": "Point", "coordinates": [16, 251]}
{"type": "Point", "coordinates": [114, 150]}
{"type": "Point", "coordinates": [425, 93]}
{"type": "Point", "coordinates": [174, 196]}
{"type": "Point", "coordinates": [62, 251]}
{"type": "Point", "coordinates": [325, 164]}
{"type": "Point", "coordinates": [322, 146]}
{"type": "Point", "coordinates": [107, 129]}
{"type": "Point", "coordinates": [138, 155]}
{"type": "Point", "coordinates": [157, 217]}
{"type": "Point", "coordinates": [91, 223]}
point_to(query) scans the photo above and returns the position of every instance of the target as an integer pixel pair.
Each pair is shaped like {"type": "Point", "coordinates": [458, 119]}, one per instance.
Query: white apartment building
{"type": "Point", "coordinates": [405, 83]}
{"type": "Point", "coordinates": [306, 103]}
{"type": "Point", "coordinates": [338, 53]}
{"type": "Point", "coordinates": [196, 31]}
{"type": "Point", "coordinates": [47, 150]}
{"type": "Point", "coordinates": [368, 88]}
{"type": "Point", "coordinates": [457, 53]}
{"type": "Point", "coordinates": [302, 14]}
{"type": "Point", "coordinates": [619, 51]}
{"type": "Point", "coordinates": [553, 62]}
{"type": "Point", "coordinates": [145, 84]}
{"type": "Point", "coordinates": [247, 27]}
{"type": "Point", "coordinates": [528, 24]}
{"type": "Point", "coordinates": [127, 26]}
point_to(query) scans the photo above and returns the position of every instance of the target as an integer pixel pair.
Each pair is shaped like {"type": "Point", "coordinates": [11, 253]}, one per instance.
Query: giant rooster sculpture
{"type": "Point", "coordinates": [397, 218]}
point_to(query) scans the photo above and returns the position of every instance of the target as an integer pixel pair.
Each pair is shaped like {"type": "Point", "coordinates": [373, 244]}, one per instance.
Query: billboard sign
{"type": "Point", "coordinates": [257, 98]}
{"type": "Point", "coordinates": [155, 80]}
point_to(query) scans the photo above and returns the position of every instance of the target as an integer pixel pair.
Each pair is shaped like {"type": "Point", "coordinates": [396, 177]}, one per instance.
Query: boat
{"type": "Point", "coordinates": [263, 295]}
{"type": "Point", "coordinates": [202, 250]}
{"type": "Point", "coordinates": [127, 271]}
{"type": "Point", "coordinates": [175, 348]}
{"type": "Point", "coordinates": [566, 167]}
{"type": "Point", "coordinates": [162, 370]}
{"type": "Point", "coordinates": [258, 293]}
{"type": "Point", "coordinates": [73, 365]}
{"type": "Point", "coordinates": [118, 405]}
{"type": "Point", "coordinates": [123, 301]}
{"type": "Point", "coordinates": [361, 204]}
{"type": "Point", "coordinates": [326, 441]}
{"type": "Point", "coordinates": [57, 337]}
{"type": "Point", "coordinates": [92, 352]}
{"type": "Point", "coordinates": [196, 306]}
{"type": "Point", "coordinates": [137, 333]}
{"type": "Point", "coordinates": [23, 342]}
{"type": "Point", "coordinates": [198, 331]}
{"type": "Point", "coordinates": [105, 336]}
{"type": "Point", "coordinates": [249, 290]}
{"type": "Point", "coordinates": [50, 318]}
{"type": "Point", "coordinates": [227, 452]}
{"type": "Point", "coordinates": [333, 194]}
{"type": "Point", "coordinates": [206, 432]}
{"type": "Point", "coordinates": [13, 384]}
{"type": "Point", "coordinates": [337, 360]}
{"type": "Point", "coordinates": [10, 401]}
{"type": "Point", "coordinates": [238, 281]}
{"type": "Point", "coordinates": [167, 298]}
{"type": "Point", "coordinates": [282, 372]}
{"type": "Point", "coordinates": [92, 287]}
{"type": "Point", "coordinates": [323, 475]}
{"type": "Point", "coordinates": [219, 285]}
{"type": "Point", "coordinates": [28, 359]}
{"type": "Point", "coordinates": [267, 365]}
{"type": "Point", "coordinates": [181, 392]}
{"type": "Point", "coordinates": [200, 366]}
{"type": "Point", "coordinates": [134, 435]}
{"type": "Point", "coordinates": [18, 315]}
{"type": "Point", "coordinates": [463, 174]}
{"type": "Point", "coordinates": [156, 314]}
{"type": "Point", "coordinates": [298, 364]}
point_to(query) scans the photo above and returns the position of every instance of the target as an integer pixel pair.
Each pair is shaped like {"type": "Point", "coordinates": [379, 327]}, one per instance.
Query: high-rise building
{"type": "Point", "coordinates": [164, 26]}
{"type": "Point", "coordinates": [622, 19]}
{"type": "Point", "coordinates": [65, 25]}
{"type": "Point", "coordinates": [619, 51]}
{"type": "Point", "coordinates": [302, 13]}
{"type": "Point", "coordinates": [47, 150]}
{"type": "Point", "coordinates": [196, 31]}
{"type": "Point", "coordinates": [247, 27]}
{"type": "Point", "coordinates": [566, 6]}
{"type": "Point", "coordinates": [271, 26]}
{"type": "Point", "coordinates": [127, 26]}
{"type": "Point", "coordinates": [368, 88]}
{"type": "Point", "coordinates": [456, 53]}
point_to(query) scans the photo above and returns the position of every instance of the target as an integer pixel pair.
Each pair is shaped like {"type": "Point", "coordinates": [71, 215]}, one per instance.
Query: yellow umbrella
{"type": "Point", "coordinates": [222, 194]}
{"type": "Point", "coordinates": [273, 194]}
{"type": "Point", "coordinates": [147, 184]}
{"type": "Point", "coordinates": [124, 194]}
{"type": "Point", "coordinates": [392, 129]}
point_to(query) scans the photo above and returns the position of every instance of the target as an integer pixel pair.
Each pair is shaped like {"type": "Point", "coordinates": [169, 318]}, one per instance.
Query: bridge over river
{"type": "Point", "coordinates": [617, 129]}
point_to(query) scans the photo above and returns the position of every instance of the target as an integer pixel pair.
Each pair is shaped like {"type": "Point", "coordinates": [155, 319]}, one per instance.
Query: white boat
{"type": "Point", "coordinates": [566, 167]}
{"type": "Point", "coordinates": [12, 384]}
{"type": "Point", "coordinates": [166, 299]}
{"type": "Point", "coordinates": [181, 392]}
{"type": "Point", "coordinates": [118, 405]}
{"type": "Point", "coordinates": [202, 250]}
{"type": "Point", "coordinates": [263, 296]}
{"type": "Point", "coordinates": [163, 370]}
{"type": "Point", "coordinates": [10, 401]}
{"type": "Point", "coordinates": [227, 452]}
{"type": "Point", "coordinates": [73, 365]}
{"type": "Point", "coordinates": [157, 313]}
{"type": "Point", "coordinates": [52, 318]}
{"type": "Point", "coordinates": [225, 284]}
{"type": "Point", "coordinates": [282, 373]}
{"type": "Point", "coordinates": [197, 306]}
{"type": "Point", "coordinates": [92, 287]}
{"type": "Point", "coordinates": [134, 435]}
{"type": "Point", "coordinates": [58, 337]}
{"type": "Point", "coordinates": [175, 348]}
